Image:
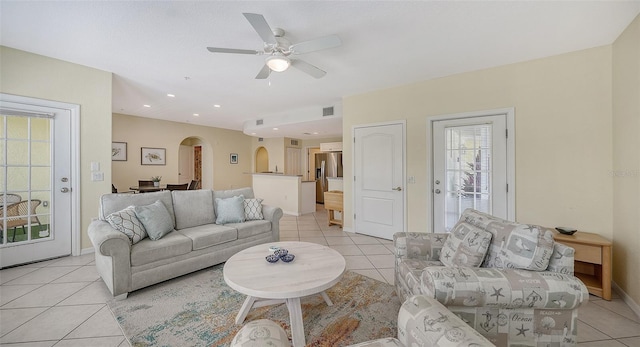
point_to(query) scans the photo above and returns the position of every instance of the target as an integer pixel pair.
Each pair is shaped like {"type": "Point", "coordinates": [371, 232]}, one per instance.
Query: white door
{"type": "Point", "coordinates": [35, 183]}
{"type": "Point", "coordinates": [293, 164]}
{"type": "Point", "coordinates": [470, 168]}
{"type": "Point", "coordinates": [379, 196]}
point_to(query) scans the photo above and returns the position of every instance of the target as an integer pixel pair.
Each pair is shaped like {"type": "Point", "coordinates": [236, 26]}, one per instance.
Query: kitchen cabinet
{"type": "Point", "coordinates": [331, 147]}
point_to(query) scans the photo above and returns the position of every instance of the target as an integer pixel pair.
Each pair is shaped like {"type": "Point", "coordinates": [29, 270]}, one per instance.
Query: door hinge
{"type": "Point", "coordinates": [354, 216]}
{"type": "Point", "coordinates": [506, 133]}
{"type": "Point", "coordinates": [507, 187]}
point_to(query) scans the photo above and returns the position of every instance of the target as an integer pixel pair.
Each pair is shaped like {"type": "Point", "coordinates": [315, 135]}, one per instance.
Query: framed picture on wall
{"type": "Point", "coordinates": [233, 158]}
{"type": "Point", "coordinates": [153, 156]}
{"type": "Point", "coordinates": [118, 151]}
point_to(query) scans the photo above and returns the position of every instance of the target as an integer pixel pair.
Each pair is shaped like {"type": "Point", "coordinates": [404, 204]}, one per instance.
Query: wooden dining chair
{"type": "Point", "coordinates": [19, 215]}
{"type": "Point", "coordinates": [177, 186]}
{"type": "Point", "coordinates": [195, 184]}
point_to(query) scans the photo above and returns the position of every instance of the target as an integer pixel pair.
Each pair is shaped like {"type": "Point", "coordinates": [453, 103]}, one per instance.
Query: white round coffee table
{"type": "Point", "coordinates": [315, 269]}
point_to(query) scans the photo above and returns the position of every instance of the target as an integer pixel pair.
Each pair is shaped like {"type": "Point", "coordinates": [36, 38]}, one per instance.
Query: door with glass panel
{"type": "Point", "coordinates": [470, 168]}
{"type": "Point", "coordinates": [35, 155]}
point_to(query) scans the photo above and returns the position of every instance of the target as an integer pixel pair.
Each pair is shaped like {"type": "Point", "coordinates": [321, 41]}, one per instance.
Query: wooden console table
{"type": "Point", "coordinates": [592, 260]}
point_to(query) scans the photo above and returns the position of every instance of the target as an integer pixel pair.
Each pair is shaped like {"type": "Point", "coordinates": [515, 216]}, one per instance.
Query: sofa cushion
{"type": "Point", "coordinates": [193, 208]}
{"type": "Point", "coordinates": [208, 235]}
{"type": "Point", "coordinates": [253, 209]}
{"type": "Point", "coordinates": [110, 203]}
{"type": "Point", "coordinates": [247, 192]}
{"type": "Point", "coordinates": [505, 288]}
{"type": "Point", "coordinates": [513, 245]}
{"type": "Point", "coordinates": [147, 251]}
{"type": "Point", "coordinates": [466, 246]}
{"type": "Point", "coordinates": [126, 222]}
{"type": "Point", "coordinates": [562, 260]}
{"type": "Point", "coordinates": [251, 228]}
{"type": "Point", "coordinates": [156, 219]}
{"type": "Point", "coordinates": [230, 210]}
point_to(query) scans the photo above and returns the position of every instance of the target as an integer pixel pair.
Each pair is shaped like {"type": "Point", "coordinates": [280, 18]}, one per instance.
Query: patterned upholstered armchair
{"type": "Point", "coordinates": [511, 282]}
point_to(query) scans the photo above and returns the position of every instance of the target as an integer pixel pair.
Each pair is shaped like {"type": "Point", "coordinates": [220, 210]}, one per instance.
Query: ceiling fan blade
{"type": "Point", "coordinates": [264, 73]}
{"type": "Point", "coordinates": [260, 25]}
{"type": "Point", "coordinates": [308, 68]}
{"type": "Point", "coordinates": [233, 50]}
{"type": "Point", "coordinates": [316, 44]}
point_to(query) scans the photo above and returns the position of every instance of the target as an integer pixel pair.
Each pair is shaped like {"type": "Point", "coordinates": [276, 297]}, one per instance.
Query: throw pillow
{"type": "Point", "coordinates": [230, 210]}
{"type": "Point", "coordinates": [156, 219]}
{"type": "Point", "coordinates": [253, 209]}
{"type": "Point", "coordinates": [513, 245]}
{"type": "Point", "coordinates": [126, 222]}
{"type": "Point", "coordinates": [465, 246]}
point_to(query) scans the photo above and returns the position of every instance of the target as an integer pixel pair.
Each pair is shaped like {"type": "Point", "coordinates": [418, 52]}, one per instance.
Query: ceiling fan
{"type": "Point", "coordinates": [279, 49]}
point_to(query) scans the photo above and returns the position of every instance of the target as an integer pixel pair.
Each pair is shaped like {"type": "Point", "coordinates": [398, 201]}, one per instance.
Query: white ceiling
{"type": "Point", "coordinates": [158, 47]}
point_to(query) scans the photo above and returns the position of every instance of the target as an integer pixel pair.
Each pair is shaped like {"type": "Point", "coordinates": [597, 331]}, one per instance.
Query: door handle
{"type": "Point", "coordinates": [396, 189]}
{"type": "Point", "coordinates": [437, 191]}
{"type": "Point", "coordinates": [64, 190]}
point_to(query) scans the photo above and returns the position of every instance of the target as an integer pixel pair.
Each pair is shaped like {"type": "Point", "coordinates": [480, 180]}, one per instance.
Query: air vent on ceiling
{"type": "Point", "coordinates": [294, 142]}
{"type": "Point", "coordinates": [259, 121]}
{"type": "Point", "coordinates": [327, 111]}
{"type": "Point", "coordinates": [260, 139]}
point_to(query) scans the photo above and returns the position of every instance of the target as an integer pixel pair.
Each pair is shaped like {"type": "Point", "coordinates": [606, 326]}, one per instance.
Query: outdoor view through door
{"type": "Point", "coordinates": [35, 183]}
{"type": "Point", "coordinates": [470, 168]}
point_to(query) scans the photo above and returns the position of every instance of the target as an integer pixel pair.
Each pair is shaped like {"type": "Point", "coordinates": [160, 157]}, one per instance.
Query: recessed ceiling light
{"type": "Point", "coordinates": [216, 106]}
{"type": "Point", "coordinates": [196, 114]}
{"type": "Point", "coordinates": [315, 133]}
{"type": "Point", "coordinates": [253, 133]}
{"type": "Point", "coordinates": [275, 128]}
{"type": "Point", "coordinates": [171, 95]}
{"type": "Point", "coordinates": [146, 105]}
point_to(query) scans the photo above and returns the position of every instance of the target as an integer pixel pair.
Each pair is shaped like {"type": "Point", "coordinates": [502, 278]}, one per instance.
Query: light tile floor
{"type": "Point", "coordinates": [62, 302]}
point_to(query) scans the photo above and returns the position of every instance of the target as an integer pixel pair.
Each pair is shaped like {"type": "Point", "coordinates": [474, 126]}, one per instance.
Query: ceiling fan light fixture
{"type": "Point", "coordinates": [278, 63]}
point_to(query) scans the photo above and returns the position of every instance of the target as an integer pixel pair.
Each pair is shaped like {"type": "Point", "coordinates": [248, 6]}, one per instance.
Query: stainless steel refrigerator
{"type": "Point", "coordinates": [327, 165]}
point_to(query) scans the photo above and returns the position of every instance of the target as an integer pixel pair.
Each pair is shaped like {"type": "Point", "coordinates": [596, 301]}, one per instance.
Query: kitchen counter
{"type": "Point", "coordinates": [289, 192]}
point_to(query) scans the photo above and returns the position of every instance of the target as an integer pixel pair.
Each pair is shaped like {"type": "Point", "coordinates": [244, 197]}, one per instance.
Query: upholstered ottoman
{"type": "Point", "coordinates": [260, 333]}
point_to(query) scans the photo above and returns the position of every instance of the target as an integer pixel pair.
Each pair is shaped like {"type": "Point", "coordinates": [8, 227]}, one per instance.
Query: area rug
{"type": "Point", "coordinates": [199, 309]}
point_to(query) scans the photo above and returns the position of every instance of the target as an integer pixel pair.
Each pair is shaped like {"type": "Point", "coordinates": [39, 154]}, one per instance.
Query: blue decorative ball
{"type": "Point", "coordinates": [272, 258]}
{"type": "Point", "coordinates": [288, 258]}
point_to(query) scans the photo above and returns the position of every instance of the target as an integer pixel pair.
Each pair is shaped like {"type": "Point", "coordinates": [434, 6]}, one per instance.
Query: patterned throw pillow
{"type": "Point", "coordinates": [513, 245]}
{"type": "Point", "coordinates": [126, 222]}
{"type": "Point", "coordinates": [230, 210]}
{"type": "Point", "coordinates": [253, 209]}
{"type": "Point", "coordinates": [465, 246]}
{"type": "Point", "coordinates": [156, 219]}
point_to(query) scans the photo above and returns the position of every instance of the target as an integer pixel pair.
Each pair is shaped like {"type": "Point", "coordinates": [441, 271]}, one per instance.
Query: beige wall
{"type": "Point", "coordinates": [275, 149]}
{"type": "Point", "coordinates": [217, 145]}
{"type": "Point", "coordinates": [626, 160]}
{"type": "Point", "coordinates": [563, 134]}
{"type": "Point", "coordinates": [36, 76]}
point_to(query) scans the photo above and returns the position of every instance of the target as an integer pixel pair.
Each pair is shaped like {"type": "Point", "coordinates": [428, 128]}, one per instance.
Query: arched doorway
{"type": "Point", "coordinates": [195, 162]}
{"type": "Point", "coordinates": [262, 160]}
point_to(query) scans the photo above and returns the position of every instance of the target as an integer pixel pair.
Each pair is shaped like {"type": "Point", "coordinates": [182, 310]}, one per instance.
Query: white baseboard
{"type": "Point", "coordinates": [87, 251]}
{"type": "Point", "coordinates": [627, 299]}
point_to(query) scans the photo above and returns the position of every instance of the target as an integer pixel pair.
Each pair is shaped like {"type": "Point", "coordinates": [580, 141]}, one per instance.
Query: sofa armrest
{"type": "Point", "coordinates": [423, 321]}
{"type": "Point", "coordinates": [562, 259]}
{"type": "Point", "coordinates": [273, 214]}
{"type": "Point", "coordinates": [113, 256]}
{"type": "Point", "coordinates": [503, 288]}
{"type": "Point", "coordinates": [422, 246]}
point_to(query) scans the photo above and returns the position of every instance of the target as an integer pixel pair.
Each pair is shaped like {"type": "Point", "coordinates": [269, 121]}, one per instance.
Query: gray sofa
{"type": "Point", "coordinates": [196, 243]}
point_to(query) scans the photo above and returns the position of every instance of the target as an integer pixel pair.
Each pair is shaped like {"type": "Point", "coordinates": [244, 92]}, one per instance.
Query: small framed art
{"type": "Point", "coordinates": [118, 151]}
{"type": "Point", "coordinates": [153, 156]}
{"type": "Point", "coordinates": [233, 158]}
